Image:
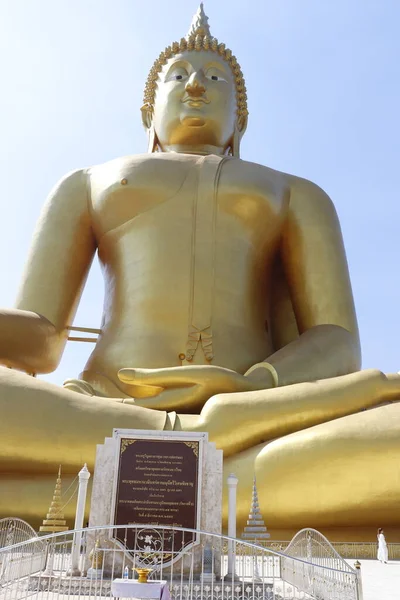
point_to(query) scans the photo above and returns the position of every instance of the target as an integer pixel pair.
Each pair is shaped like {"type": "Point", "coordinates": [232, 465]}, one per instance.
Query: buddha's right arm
{"type": "Point", "coordinates": [28, 341]}
{"type": "Point", "coordinates": [33, 336]}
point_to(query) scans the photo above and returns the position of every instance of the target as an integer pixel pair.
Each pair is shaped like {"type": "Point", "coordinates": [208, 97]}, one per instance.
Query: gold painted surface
{"type": "Point", "coordinates": [212, 264]}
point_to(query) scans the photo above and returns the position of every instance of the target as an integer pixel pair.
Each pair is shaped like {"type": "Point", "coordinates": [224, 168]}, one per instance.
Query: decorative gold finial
{"type": "Point", "coordinates": [199, 24]}
{"type": "Point", "coordinates": [55, 518]}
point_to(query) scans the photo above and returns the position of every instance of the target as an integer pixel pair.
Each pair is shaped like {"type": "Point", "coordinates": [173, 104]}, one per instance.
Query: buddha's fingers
{"type": "Point", "coordinates": [171, 376]}
{"type": "Point", "coordinates": [184, 399]}
{"type": "Point", "coordinates": [142, 391]}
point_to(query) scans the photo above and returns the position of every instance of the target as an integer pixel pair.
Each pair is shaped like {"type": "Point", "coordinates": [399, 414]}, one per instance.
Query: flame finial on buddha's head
{"type": "Point", "coordinates": [199, 24]}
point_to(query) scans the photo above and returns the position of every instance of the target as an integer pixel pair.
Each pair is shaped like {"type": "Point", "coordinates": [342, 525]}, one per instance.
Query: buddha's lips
{"type": "Point", "coordinates": [191, 99]}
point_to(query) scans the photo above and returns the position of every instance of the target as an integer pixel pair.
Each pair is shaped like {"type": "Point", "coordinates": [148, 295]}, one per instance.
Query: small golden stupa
{"type": "Point", "coordinates": [55, 521]}
{"type": "Point", "coordinates": [96, 556]}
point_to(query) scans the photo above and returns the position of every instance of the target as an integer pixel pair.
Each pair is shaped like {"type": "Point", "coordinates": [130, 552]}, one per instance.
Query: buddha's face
{"type": "Point", "coordinates": [195, 101]}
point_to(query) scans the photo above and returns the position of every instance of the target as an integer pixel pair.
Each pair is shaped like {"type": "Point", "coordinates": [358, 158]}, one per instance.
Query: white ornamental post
{"type": "Point", "coordinates": [84, 477]}
{"type": "Point", "coordinates": [357, 565]}
{"type": "Point", "coordinates": [232, 488]}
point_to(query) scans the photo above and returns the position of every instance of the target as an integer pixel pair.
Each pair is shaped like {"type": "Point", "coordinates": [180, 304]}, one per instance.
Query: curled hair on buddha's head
{"type": "Point", "coordinates": [198, 38]}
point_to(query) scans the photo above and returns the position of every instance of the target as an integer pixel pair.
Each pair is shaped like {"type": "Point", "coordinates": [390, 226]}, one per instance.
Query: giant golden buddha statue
{"type": "Point", "coordinates": [228, 309]}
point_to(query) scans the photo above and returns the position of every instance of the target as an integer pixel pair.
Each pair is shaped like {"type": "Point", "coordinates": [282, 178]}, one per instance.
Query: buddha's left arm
{"type": "Point", "coordinates": [316, 270]}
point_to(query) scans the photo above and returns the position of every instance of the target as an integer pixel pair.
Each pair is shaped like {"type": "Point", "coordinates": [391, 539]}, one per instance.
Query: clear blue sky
{"type": "Point", "coordinates": [324, 98]}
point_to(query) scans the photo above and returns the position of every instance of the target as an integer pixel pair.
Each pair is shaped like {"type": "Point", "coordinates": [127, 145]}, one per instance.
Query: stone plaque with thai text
{"type": "Point", "coordinates": [158, 484]}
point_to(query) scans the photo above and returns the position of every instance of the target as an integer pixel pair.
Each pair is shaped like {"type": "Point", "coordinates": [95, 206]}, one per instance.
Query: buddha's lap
{"type": "Point", "coordinates": [31, 408]}
{"type": "Point", "coordinates": [332, 470]}
{"type": "Point", "coordinates": [372, 433]}
{"type": "Point", "coordinates": [43, 424]}
{"type": "Point", "coordinates": [318, 467]}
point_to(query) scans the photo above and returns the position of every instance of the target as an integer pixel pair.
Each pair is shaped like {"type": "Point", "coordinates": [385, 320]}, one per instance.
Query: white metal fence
{"type": "Point", "coordinates": [14, 531]}
{"type": "Point", "coordinates": [31, 557]}
{"type": "Point", "coordinates": [197, 566]}
{"type": "Point", "coordinates": [333, 579]}
{"type": "Point", "coordinates": [347, 550]}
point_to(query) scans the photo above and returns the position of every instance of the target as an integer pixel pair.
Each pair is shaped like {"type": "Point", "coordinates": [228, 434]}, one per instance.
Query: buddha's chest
{"type": "Point", "coordinates": [176, 192]}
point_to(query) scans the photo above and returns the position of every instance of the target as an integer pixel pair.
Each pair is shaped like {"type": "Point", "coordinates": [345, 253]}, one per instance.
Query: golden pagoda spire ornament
{"type": "Point", "coordinates": [255, 529]}
{"type": "Point", "coordinates": [55, 521]}
{"type": "Point", "coordinates": [199, 24]}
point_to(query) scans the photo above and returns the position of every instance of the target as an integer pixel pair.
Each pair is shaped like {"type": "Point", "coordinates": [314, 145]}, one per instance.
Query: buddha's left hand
{"type": "Point", "coordinates": [183, 388]}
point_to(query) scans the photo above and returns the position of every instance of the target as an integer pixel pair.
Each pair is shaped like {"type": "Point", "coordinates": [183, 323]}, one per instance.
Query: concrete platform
{"type": "Point", "coordinates": [380, 581]}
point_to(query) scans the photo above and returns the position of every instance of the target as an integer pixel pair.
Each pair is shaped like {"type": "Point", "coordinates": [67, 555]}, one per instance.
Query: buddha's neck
{"type": "Point", "coordinates": [200, 149]}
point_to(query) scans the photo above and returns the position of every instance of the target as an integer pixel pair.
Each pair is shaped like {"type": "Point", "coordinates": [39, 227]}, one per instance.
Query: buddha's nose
{"type": "Point", "coordinates": [195, 85]}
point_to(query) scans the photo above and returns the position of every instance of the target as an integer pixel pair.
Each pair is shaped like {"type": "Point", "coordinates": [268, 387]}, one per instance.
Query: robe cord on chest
{"type": "Point", "coordinates": [203, 256]}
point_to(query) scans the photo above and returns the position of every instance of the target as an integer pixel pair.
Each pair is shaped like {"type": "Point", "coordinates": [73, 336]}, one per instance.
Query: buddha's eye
{"type": "Point", "coordinates": [213, 75]}
{"type": "Point", "coordinates": [177, 74]}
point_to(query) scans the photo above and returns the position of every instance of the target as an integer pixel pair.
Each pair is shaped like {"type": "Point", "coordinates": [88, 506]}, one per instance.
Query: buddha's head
{"type": "Point", "coordinates": [195, 95]}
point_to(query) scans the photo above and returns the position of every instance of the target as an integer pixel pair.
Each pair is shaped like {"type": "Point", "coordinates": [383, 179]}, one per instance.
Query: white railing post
{"type": "Point", "coordinates": [84, 477]}
{"type": "Point", "coordinates": [232, 489]}
{"type": "Point", "coordinates": [51, 549]}
{"type": "Point", "coordinates": [357, 565]}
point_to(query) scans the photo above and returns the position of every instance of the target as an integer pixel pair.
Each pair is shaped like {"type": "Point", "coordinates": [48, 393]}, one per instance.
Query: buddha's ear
{"type": "Point", "coordinates": [147, 120]}
{"type": "Point", "coordinates": [241, 124]}
{"type": "Point", "coordinates": [240, 128]}
{"type": "Point", "coordinates": [147, 115]}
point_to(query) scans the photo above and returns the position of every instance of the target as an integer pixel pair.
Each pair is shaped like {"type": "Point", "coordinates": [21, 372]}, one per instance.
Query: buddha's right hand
{"type": "Point", "coordinates": [183, 388]}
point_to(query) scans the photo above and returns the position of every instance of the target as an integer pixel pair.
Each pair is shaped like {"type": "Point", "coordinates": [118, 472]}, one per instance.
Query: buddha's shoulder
{"type": "Point", "coordinates": [140, 166]}
{"type": "Point", "coordinates": [304, 195]}
{"type": "Point", "coordinates": [124, 164]}
{"type": "Point", "coordinates": [297, 185]}
{"type": "Point", "coordinates": [253, 169]}
{"type": "Point", "coordinates": [307, 196]}
{"type": "Point", "coordinates": [302, 192]}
